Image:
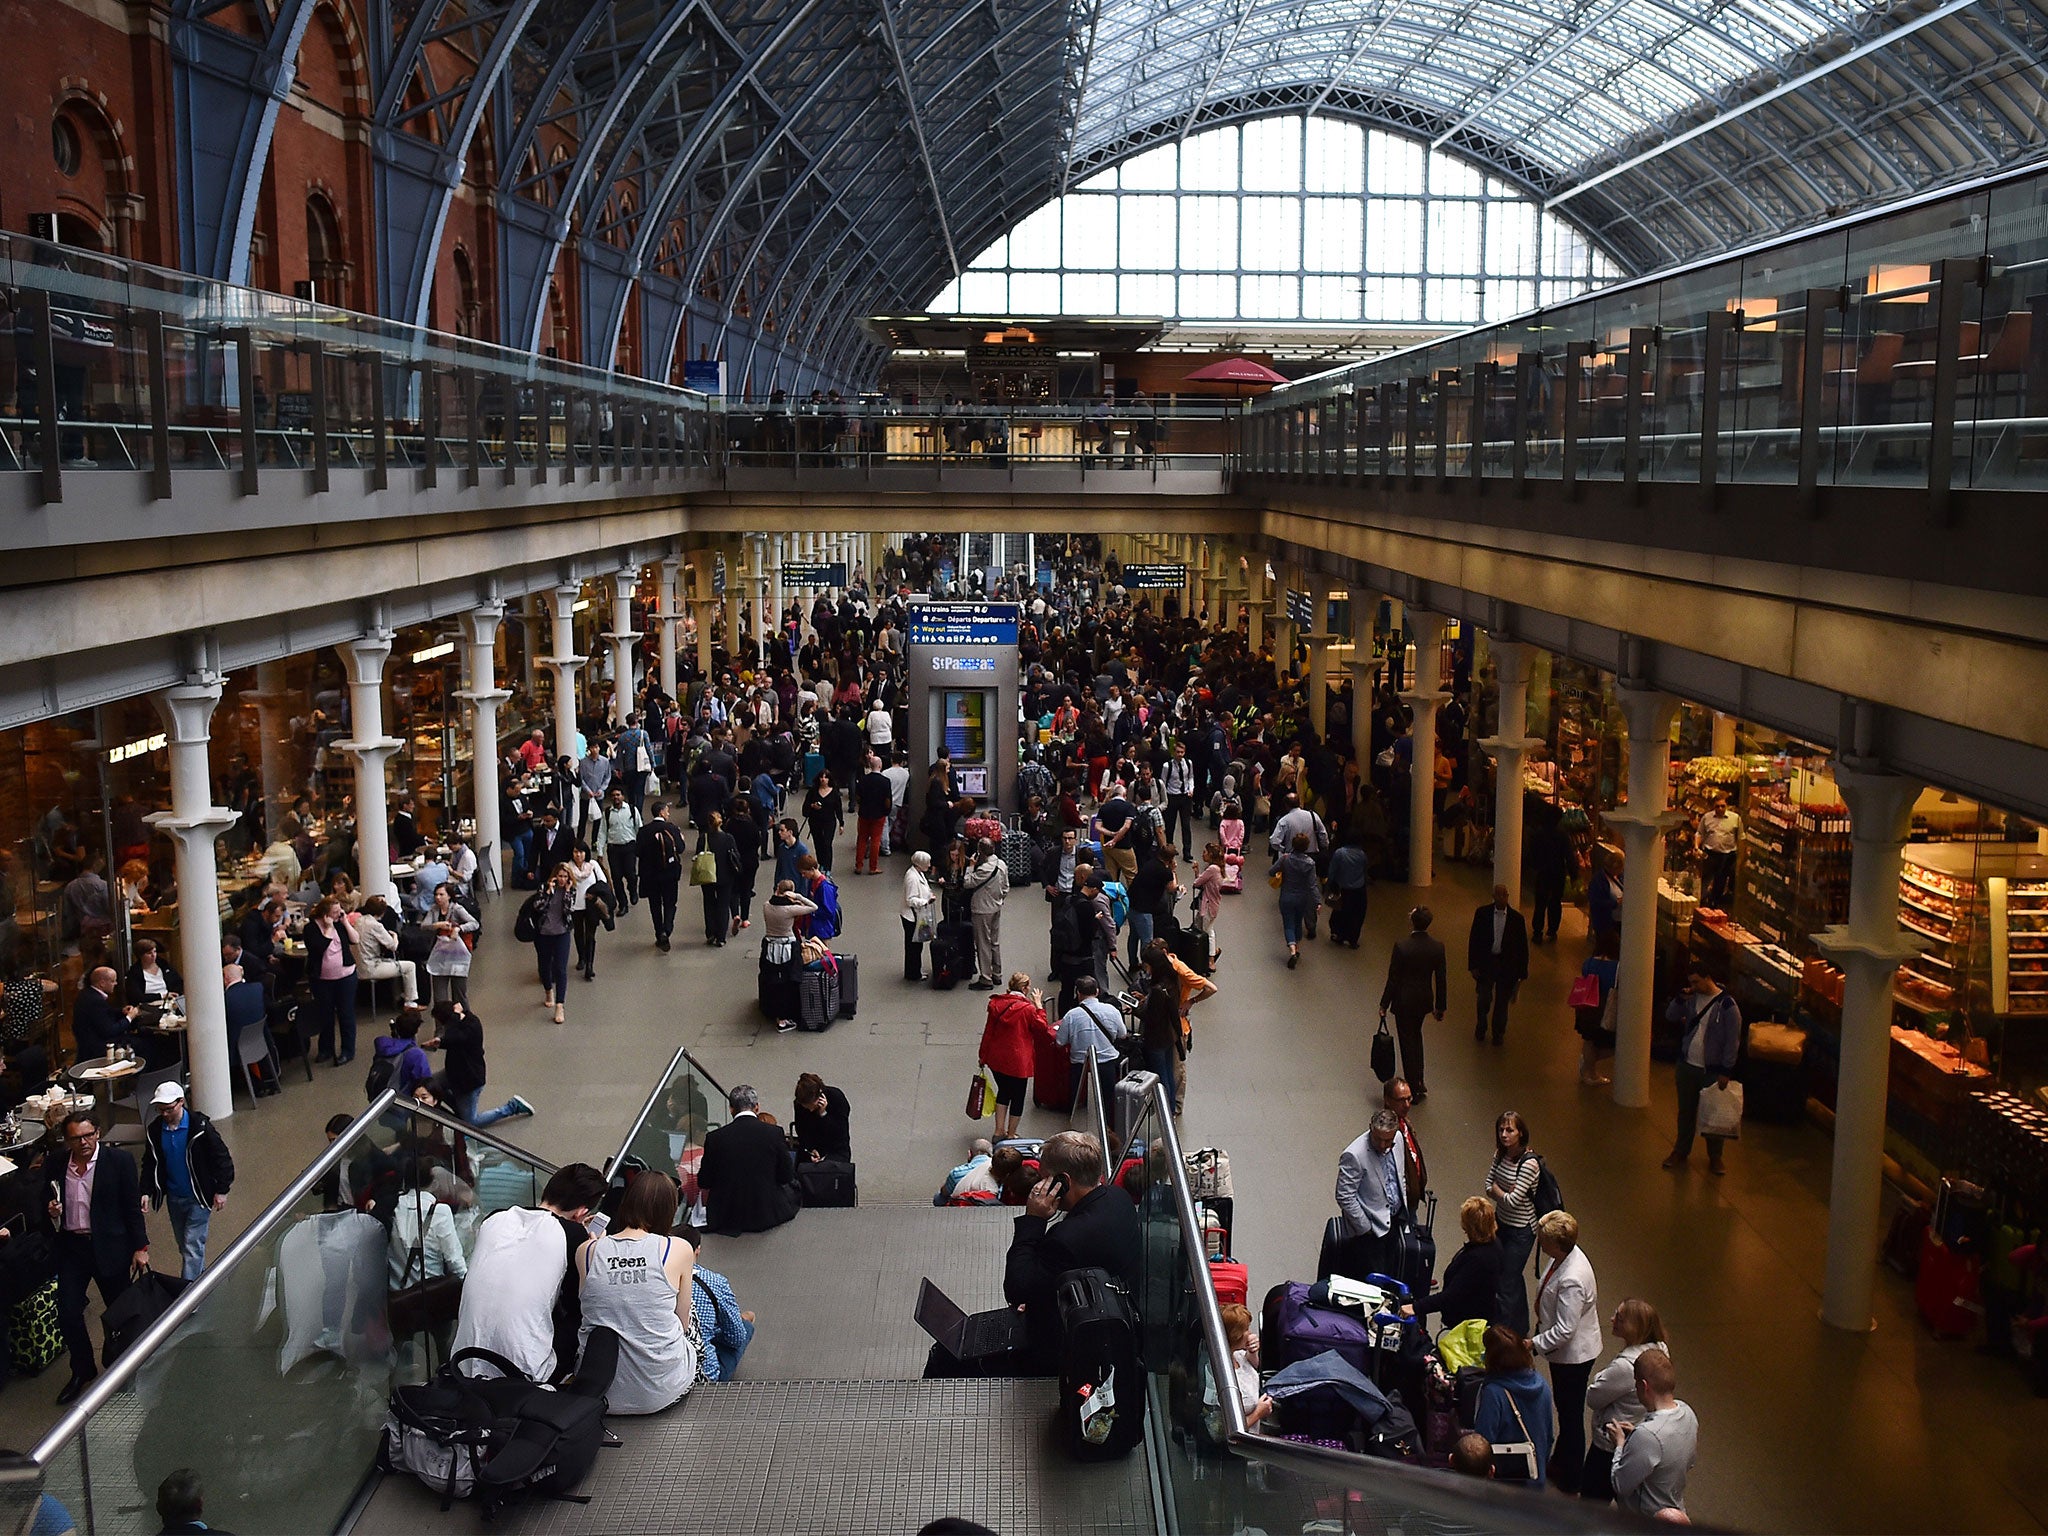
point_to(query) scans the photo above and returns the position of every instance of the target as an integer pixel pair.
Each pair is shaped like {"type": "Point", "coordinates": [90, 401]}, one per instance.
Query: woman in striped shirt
{"type": "Point", "coordinates": [1511, 1181]}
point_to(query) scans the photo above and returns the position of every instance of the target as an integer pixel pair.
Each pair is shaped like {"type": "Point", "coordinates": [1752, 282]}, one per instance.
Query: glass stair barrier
{"type": "Point", "coordinates": [686, 1105]}
{"type": "Point", "coordinates": [269, 1374]}
{"type": "Point", "coordinates": [1211, 1473]}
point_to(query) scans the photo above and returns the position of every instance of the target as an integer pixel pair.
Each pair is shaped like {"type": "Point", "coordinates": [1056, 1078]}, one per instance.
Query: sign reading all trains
{"type": "Point", "coordinates": [963, 624]}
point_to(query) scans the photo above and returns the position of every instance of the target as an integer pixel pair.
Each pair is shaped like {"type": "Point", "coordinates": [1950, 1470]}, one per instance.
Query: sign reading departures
{"type": "Point", "coordinates": [1155, 578]}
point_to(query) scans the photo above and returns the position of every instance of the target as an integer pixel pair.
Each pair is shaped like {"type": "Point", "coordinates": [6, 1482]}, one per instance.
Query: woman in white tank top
{"type": "Point", "coordinates": [637, 1284]}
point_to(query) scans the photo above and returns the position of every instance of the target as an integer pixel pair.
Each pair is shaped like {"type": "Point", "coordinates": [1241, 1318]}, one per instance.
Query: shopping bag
{"type": "Point", "coordinates": [1585, 993]}
{"type": "Point", "coordinates": [1721, 1110]}
{"type": "Point", "coordinates": [1462, 1345]}
{"type": "Point", "coordinates": [704, 868]}
{"type": "Point", "coordinates": [981, 1093]}
{"type": "Point", "coordinates": [1383, 1052]}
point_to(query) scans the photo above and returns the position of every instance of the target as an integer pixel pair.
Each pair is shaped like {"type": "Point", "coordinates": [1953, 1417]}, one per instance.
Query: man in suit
{"type": "Point", "coordinates": [94, 1197]}
{"type": "Point", "coordinates": [748, 1175]}
{"type": "Point", "coordinates": [1497, 955]}
{"type": "Point", "coordinates": [1372, 1200]}
{"type": "Point", "coordinates": [1417, 984]}
{"type": "Point", "coordinates": [405, 829]}
{"type": "Point", "coordinates": [659, 853]}
{"type": "Point", "coordinates": [1100, 1230]}
{"type": "Point", "coordinates": [98, 1023]}
{"type": "Point", "coordinates": [551, 842]}
{"type": "Point", "coordinates": [246, 1007]}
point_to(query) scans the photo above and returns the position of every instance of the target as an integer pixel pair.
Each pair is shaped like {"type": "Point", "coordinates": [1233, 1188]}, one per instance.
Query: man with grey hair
{"type": "Point", "coordinates": [1372, 1199]}
{"type": "Point", "coordinates": [971, 1177]}
{"type": "Point", "coordinates": [748, 1174]}
{"type": "Point", "coordinates": [1098, 1229]}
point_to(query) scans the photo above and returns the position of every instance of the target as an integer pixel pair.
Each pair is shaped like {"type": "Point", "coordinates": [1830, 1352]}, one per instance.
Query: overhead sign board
{"type": "Point", "coordinates": [956, 624]}
{"type": "Point", "coordinates": [1301, 609]}
{"type": "Point", "coordinates": [813, 573]}
{"type": "Point", "coordinates": [1155, 578]}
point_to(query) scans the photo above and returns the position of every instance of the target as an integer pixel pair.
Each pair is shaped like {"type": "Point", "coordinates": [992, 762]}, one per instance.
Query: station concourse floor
{"type": "Point", "coordinates": [1802, 1428]}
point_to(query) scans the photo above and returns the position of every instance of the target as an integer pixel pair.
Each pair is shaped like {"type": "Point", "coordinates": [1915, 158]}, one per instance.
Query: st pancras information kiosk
{"type": "Point", "coordinates": [964, 682]}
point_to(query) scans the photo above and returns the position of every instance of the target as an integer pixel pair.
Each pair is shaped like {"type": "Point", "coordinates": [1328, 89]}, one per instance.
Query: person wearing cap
{"type": "Point", "coordinates": [185, 1166]}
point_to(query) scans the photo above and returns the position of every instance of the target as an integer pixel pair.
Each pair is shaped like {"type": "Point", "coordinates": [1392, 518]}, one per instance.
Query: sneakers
{"type": "Point", "coordinates": [784, 1026]}
{"type": "Point", "coordinates": [520, 1105]}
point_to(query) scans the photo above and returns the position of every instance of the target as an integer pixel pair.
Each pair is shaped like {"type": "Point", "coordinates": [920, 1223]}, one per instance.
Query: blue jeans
{"type": "Point", "coordinates": [1140, 935]}
{"type": "Point", "coordinates": [465, 1109]}
{"type": "Point", "coordinates": [1161, 1062]}
{"type": "Point", "coordinates": [1516, 1244]}
{"type": "Point", "coordinates": [1293, 911]}
{"type": "Point", "coordinates": [189, 1221]}
{"type": "Point", "coordinates": [553, 952]}
{"type": "Point", "coordinates": [729, 1355]}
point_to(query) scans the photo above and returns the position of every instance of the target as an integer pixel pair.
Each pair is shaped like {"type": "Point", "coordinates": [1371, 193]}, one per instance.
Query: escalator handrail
{"type": "Point", "coordinates": [469, 1132]}
{"type": "Point", "coordinates": [117, 1376]}
{"type": "Point", "coordinates": [1488, 1506]}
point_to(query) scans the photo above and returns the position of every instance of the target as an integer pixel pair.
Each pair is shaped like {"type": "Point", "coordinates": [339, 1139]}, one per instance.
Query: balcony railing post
{"type": "Point", "coordinates": [430, 425]}
{"type": "Point", "coordinates": [1640, 340]}
{"type": "Point", "coordinates": [159, 404]}
{"type": "Point", "coordinates": [316, 362]}
{"type": "Point", "coordinates": [1952, 277]}
{"type": "Point", "coordinates": [543, 431]}
{"type": "Point", "coordinates": [380, 427]}
{"type": "Point", "coordinates": [44, 341]}
{"type": "Point", "coordinates": [1390, 389]}
{"type": "Point", "coordinates": [1812, 376]}
{"type": "Point", "coordinates": [1416, 385]}
{"type": "Point", "coordinates": [1575, 355]}
{"type": "Point", "coordinates": [473, 435]}
{"type": "Point", "coordinates": [1440, 404]}
{"type": "Point", "coordinates": [1713, 366]}
{"type": "Point", "coordinates": [1482, 397]}
{"type": "Point", "coordinates": [1528, 369]}
{"type": "Point", "coordinates": [245, 378]}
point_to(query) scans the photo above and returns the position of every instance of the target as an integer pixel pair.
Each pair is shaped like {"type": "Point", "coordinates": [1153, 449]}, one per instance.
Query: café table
{"type": "Point", "coordinates": [102, 1076]}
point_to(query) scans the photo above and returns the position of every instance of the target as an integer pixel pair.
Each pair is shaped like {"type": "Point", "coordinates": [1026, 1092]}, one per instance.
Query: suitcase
{"type": "Point", "coordinates": [1190, 946]}
{"type": "Point", "coordinates": [952, 955]}
{"type": "Point", "coordinates": [1233, 874]}
{"type": "Point", "coordinates": [1017, 857]}
{"type": "Point", "coordinates": [1101, 1409]}
{"type": "Point", "coordinates": [1945, 1288]}
{"type": "Point", "coordinates": [33, 1337]}
{"type": "Point", "coordinates": [1133, 1097]}
{"type": "Point", "coordinates": [829, 1183]}
{"type": "Point", "coordinates": [1052, 1080]}
{"type": "Point", "coordinates": [1294, 1328]}
{"type": "Point", "coordinates": [849, 985]}
{"type": "Point", "coordinates": [1232, 1280]}
{"type": "Point", "coordinates": [817, 999]}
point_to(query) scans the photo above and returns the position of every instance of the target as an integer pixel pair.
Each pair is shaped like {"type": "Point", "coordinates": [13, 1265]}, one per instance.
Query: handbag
{"type": "Point", "coordinates": [1383, 1051]}
{"type": "Point", "coordinates": [1516, 1460]}
{"type": "Point", "coordinates": [704, 868]}
{"type": "Point", "coordinates": [1721, 1111]}
{"type": "Point", "coordinates": [642, 763]}
{"type": "Point", "coordinates": [1208, 1173]}
{"type": "Point", "coordinates": [981, 1093]}
{"type": "Point", "coordinates": [1275, 879]}
{"type": "Point", "coordinates": [426, 1304]}
{"type": "Point", "coordinates": [921, 929]}
{"type": "Point", "coordinates": [1585, 992]}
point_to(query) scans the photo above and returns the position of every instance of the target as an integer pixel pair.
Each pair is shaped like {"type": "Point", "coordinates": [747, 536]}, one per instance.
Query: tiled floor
{"type": "Point", "coordinates": [1803, 1429]}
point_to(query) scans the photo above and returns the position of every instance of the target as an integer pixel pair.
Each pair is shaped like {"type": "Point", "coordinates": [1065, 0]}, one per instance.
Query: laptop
{"type": "Point", "coordinates": [964, 1337]}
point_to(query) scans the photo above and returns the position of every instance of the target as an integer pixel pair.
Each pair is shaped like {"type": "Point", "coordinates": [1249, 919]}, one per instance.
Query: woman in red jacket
{"type": "Point", "coordinates": [1009, 1047]}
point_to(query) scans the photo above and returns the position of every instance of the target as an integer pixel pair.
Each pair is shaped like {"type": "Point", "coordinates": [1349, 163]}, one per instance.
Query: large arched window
{"type": "Point", "coordinates": [1286, 219]}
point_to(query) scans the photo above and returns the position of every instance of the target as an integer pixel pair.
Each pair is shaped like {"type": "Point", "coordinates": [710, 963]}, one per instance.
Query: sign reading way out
{"type": "Point", "coordinates": [951, 624]}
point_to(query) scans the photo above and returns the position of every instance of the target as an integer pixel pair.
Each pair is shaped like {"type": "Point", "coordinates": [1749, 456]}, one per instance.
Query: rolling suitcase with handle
{"type": "Point", "coordinates": [952, 954]}
{"type": "Point", "coordinates": [1052, 1081]}
{"type": "Point", "coordinates": [817, 999]}
{"type": "Point", "coordinates": [1103, 1388]}
{"type": "Point", "coordinates": [849, 985]}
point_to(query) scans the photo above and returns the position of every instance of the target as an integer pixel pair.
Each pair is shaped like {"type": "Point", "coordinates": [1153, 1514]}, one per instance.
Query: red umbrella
{"type": "Point", "coordinates": [1236, 370]}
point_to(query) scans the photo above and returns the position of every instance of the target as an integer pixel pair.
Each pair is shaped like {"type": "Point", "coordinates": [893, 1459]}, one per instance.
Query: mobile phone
{"type": "Point", "coordinates": [1059, 1186]}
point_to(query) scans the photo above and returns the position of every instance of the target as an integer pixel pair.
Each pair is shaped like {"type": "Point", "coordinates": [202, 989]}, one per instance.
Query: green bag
{"type": "Point", "coordinates": [32, 1334]}
{"type": "Point", "coordinates": [1463, 1345]}
{"type": "Point", "coordinates": [704, 868]}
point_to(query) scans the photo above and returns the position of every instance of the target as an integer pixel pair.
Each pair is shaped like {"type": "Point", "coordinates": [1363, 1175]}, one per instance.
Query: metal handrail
{"type": "Point", "coordinates": [682, 1055]}
{"type": "Point", "coordinates": [1487, 1506]}
{"type": "Point", "coordinates": [131, 1360]}
{"type": "Point", "coordinates": [472, 1133]}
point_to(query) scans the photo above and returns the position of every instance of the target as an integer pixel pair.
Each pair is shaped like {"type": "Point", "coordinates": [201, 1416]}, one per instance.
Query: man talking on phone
{"type": "Point", "coordinates": [1072, 1220]}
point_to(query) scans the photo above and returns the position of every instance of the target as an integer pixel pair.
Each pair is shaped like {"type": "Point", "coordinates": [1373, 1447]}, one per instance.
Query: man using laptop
{"type": "Point", "coordinates": [1072, 1220]}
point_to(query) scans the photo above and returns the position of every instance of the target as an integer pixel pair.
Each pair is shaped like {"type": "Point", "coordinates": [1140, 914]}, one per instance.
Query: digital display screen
{"type": "Point", "coordinates": [966, 728]}
{"type": "Point", "coordinates": [972, 781]}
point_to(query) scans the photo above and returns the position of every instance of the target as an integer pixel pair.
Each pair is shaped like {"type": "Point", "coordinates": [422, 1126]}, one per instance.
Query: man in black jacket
{"type": "Point", "coordinates": [1099, 1231]}
{"type": "Point", "coordinates": [661, 857]}
{"type": "Point", "coordinates": [186, 1166]}
{"type": "Point", "coordinates": [748, 1174]}
{"type": "Point", "coordinates": [551, 843]}
{"type": "Point", "coordinates": [1417, 984]}
{"type": "Point", "coordinates": [1497, 955]}
{"type": "Point", "coordinates": [98, 1023]}
{"type": "Point", "coordinates": [94, 1198]}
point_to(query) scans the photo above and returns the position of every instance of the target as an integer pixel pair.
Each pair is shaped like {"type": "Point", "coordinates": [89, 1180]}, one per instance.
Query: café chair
{"type": "Point", "coordinates": [142, 1088]}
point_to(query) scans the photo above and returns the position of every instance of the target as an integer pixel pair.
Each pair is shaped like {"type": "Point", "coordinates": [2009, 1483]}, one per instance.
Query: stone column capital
{"type": "Point", "coordinates": [1642, 826]}
{"type": "Point", "coordinates": [186, 708]}
{"type": "Point", "coordinates": [200, 829]}
{"type": "Point", "coordinates": [365, 657]}
{"type": "Point", "coordinates": [484, 698]}
{"type": "Point", "coordinates": [1424, 700]}
{"type": "Point", "coordinates": [1505, 747]}
{"type": "Point", "coordinates": [1649, 712]}
{"type": "Point", "coordinates": [1510, 662]}
{"type": "Point", "coordinates": [1880, 802]}
{"type": "Point", "coordinates": [480, 624]}
{"type": "Point", "coordinates": [1882, 955]}
{"type": "Point", "coordinates": [372, 753]}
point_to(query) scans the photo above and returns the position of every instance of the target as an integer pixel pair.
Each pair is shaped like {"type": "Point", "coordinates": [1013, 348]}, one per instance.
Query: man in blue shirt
{"type": "Point", "coordinates": [724, 1330]}
{"type": "Point", "coordinates": [185, 1166]}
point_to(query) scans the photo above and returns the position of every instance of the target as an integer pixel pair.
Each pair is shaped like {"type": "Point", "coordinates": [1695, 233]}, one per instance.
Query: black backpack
{"type": "Point", "coordinates": [1545, 1197]}
{"type": "Point", "coordinates": [493, 1437]}
{"type": "Point", "coordinates": [526, 926]}
{"type": "Point", "coordinates": [1101, 1412]}
{"type": "Point", "coordinates": [383, 1069]}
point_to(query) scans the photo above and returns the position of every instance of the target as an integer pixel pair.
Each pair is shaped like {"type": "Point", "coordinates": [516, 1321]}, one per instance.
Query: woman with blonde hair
{"type": "Point", "coordinates": [1611, 1394]}
{"type": "Point", "coordinates": [1471, 1285]}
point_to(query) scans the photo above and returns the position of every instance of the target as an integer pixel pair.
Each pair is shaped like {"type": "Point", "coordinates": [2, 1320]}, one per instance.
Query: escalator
{"type": "Point", "coordinates": [270, 1375]}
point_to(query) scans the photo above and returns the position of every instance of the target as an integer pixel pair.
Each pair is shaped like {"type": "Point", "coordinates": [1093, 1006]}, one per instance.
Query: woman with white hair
{"type": "Point", "coordinates": [918, 914]}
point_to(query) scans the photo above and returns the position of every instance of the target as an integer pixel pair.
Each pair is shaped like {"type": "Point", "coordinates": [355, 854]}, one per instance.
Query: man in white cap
{"type": "Point", "coordinates": [185, 1165]}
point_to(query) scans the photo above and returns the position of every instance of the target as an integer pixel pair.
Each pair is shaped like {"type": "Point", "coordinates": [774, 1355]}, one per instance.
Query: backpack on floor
{"type": "Point", "coordinates": [1102, 1385]}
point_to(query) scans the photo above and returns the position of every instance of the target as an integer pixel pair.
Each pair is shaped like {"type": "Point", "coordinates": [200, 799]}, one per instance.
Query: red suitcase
{"type": "Point", "coordinates": [1052, 1083]}
{"type": "Point", "coordinates": [1945, 1288]}
{"type": "Point", "coordinates": [1232, 1280]}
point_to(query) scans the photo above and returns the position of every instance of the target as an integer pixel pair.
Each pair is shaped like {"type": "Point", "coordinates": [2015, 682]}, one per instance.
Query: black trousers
{"type": "Point", "coordinates": [716, 923]}
{"type": "Point", "coordinates": [1717, 874]}
{"type": "Point", "coordinates": [584, 924]}
{"type": "Point", "coordinates": [1549, 909]}
{"type": "Point", "coordinates": [1181, 809]}
{"type": "Point", "coordinates": [1408, 1030]}
{"type": "Point", "coordinates": [1568, 1455]}
{"type": "Point", "coordinates": [1495, 993]}
{"type": "Point", "coordinates": [661, 905]}
{"type": "Point", "coordinates": [1347, 918]}
{"type": "Point", "coordinates": [625, 862]}
{"type": "Point", "coordinates": [75, 1269]}
{"type": "Point", "coordinates": [913, 952]}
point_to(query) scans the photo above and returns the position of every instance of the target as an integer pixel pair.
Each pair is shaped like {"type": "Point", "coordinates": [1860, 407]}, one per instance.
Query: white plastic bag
{"type": "Point", "coordinates": [1721, 1110]}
